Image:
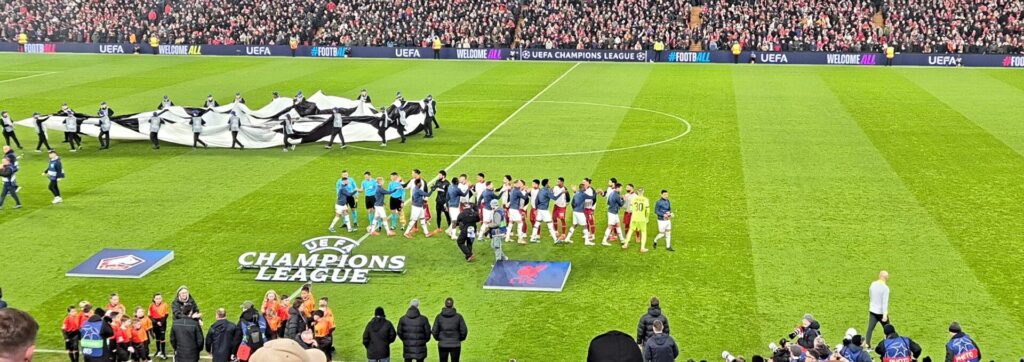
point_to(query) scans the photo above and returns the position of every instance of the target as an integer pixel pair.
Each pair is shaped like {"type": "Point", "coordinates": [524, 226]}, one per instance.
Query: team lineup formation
{"type": "Point", "coordinates": [500, 211]}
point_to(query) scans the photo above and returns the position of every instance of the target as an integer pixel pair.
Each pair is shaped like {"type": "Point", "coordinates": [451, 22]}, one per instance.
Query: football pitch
{"type": "Point", "coordinates": [792, 187]}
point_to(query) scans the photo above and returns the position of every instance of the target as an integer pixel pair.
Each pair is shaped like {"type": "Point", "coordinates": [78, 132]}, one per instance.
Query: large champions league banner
{"type": "Point", "coordinates": [669, 56]}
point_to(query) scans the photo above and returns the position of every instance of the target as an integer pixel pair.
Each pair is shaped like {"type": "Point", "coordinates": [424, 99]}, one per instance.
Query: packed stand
{"type": "Point", "coordinates": [618, 24]}
{"type": "Point", "coordinates": [458, 23]}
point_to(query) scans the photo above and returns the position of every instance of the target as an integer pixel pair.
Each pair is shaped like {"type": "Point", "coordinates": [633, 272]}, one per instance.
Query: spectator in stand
{"type": "Point", "coordinates": [378, 337]}
{"type": "Point", "coordinates": [18, 332]}
{"type": "Point", "coordinates": [449, 331]}
{"type": "Point", "coordinates": [645, 329]}
{"type": "Point", "coordinates": [414, 331]}
{"type": "Point", "coordinates": [660, 347]}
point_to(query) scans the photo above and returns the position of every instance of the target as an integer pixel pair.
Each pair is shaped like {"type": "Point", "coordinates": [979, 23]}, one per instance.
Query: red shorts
{"type": "Point", "coordinates": [559, 213]}
{"type": "Point", "coordinates": [625, 221]}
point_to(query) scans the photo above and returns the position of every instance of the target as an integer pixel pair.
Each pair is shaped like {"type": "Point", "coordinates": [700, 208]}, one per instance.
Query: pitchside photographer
{"type": "Point", "coordinates": [806, 332]}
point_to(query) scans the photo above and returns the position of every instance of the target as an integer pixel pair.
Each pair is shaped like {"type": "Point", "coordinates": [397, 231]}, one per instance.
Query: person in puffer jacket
{"type": "Point", "coordinates": [414, 331]}
{"type": "Point", "coordinates": [645, 329]}
{"type": "Point", "coordinates": [449, 331]}
{"type": "Point", "coordinates": [378, 337]}
{"type": "Point", "coordinates": [660, 347]}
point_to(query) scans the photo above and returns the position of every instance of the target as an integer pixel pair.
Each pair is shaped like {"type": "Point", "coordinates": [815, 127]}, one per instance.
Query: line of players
{"type": "Point", "coordinates": [105, 115]}
{"type": "Point", "coordinates": [522, 206]}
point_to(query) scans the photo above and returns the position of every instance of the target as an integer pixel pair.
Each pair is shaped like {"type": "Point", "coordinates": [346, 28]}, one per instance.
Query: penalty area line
{"type": "Point", "coordinates": [26, 77]}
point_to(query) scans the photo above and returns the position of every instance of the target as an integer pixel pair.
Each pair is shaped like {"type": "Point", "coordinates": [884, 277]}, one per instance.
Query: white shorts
{"type": "Point", "coordinates": [378, 211]}
{"type": "Point", "coordinates": [454, 213]}
{"type": "Point", "coordinates": [664, 225]}
{"type": "Point", "coordinates": [338, 209]}
{"type": "Point", "coordinates": [487, 216]}
{"type": "Point", "coordinates": [515, 215]}
{"type": "Point", "coordinates": [416, 214]}
{"type": "Point", "coordinates": [543, 215]}
{"type": "Point", "coordinates": [578, 218]}
{"type": "Point", "coordinates": [613, 219]}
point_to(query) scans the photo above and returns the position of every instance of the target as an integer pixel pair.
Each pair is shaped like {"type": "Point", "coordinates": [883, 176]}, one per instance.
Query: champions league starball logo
{"type": "Point", "coordinates": [327, 259]}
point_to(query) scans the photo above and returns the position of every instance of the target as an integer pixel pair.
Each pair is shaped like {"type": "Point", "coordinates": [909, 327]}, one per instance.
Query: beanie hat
{"type": "Point", "coordinates": [889, 329]}
{"type": "Point", "coordinates": [857, 340]}
{"type": "Point", "coordinates": [414, 303]}
{"type": "Point", "coordinates": [850, 333]}
{"type": "Point", "coordinates": [955, 327]}
{"type": "Point", "coordinates": [379, 312]}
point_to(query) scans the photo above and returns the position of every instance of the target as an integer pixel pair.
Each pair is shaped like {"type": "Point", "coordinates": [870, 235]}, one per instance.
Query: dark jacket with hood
{"type": "Point", "coordinates": [854, 353]}
{"type": "Point", "coordinates": [378, 336]}
{"type": "Point", "coordinates": [414, 330]}
{"type": "Point", "coordinates": [222, 340]}
{"type": "Point", "coordinates": [810, 333]}
{"type": "Point", "coordinates": [297, 323]}
{"type": "Point", "coordinates": [645, 329]}
{"type": "Point", "coordinates": [614, 346]}
{"type": "Point", "coordinates": [660, 347]}
{"type": "Point", "coordinates": [915, 349]}
{"type": "Point", "coordinates": [187, 340]}
{"type": "Point", "coordinates": [449, 328]}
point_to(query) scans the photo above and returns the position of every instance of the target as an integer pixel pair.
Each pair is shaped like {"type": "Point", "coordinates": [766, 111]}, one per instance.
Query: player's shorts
{"type": "Point", "coordinates": [395, 203]}
{"type": "Point", "coordinates": [454, 213]}
{"type": "Point", "coordinates": [579, 218]}
{"type": "Point", "coordinates": [515, 215]}
{"type": "Point", "coordinates": [559, 212]}
{"type": "Point", "coordinates": [664, 225]}
{"type": "Point", "coordinates": [487, 216]}
{"type": "Point", "coordinates": [72, 343]}
{"type": "Point", "coordinates": [416, 214]}
{"type": "Point", "coordinates": [369, 200]}
{"type": "Point", "coordinates": [613, 219]}
{"type": "Point", "coordinates": [378, 211]}
{"type": "Point", "coordinates": [340, 208]}
{"type": "Point", "coordinates": [351, 202]}
{"type": "Point", "coordinates": [544, 215]}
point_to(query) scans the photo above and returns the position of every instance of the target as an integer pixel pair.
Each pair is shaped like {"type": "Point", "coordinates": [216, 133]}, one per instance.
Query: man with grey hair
{"type": "Point", "coordinates": [808, 330]}
{"type": "Point", "coordinates": [18, 332]}
{"type": "Point", "coordinates": [414, 331]}
{"type": "Point", "coordinates": [878, 309]}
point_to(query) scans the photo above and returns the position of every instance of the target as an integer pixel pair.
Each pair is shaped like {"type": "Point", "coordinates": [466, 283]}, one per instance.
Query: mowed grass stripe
{"type": "Point", "coordinates": [703, 174]}
{"type": "Point", "coordinates": [821, 195]}
{"type": "Point", "coordinates": [549, 128]}
{"type": "Point", "coordinates": [968, 181]}
{"type": "Point", "coordinates": [991, 110]}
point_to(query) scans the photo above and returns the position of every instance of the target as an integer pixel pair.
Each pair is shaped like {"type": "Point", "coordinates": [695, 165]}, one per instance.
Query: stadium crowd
{"type": "Point", "coordinates": [930, 26]}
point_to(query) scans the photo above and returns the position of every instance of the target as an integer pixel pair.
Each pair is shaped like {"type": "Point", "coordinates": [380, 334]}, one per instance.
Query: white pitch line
{"type": "Point", "coordinates": [26, 77]}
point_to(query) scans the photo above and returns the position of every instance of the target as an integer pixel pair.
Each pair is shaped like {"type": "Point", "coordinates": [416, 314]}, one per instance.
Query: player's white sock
{"type": "Point", "coordinates": [568, 236]}
{"type": "Point", "coordinates": [334, 222]}
{"type": "Point", "coordinates": [536, 230]}
{"type": "Point", "coordinates": [668, 240]}
{"type": "Point", "coordinates": [423, 224]}
{"type": "Point", "coordinates": [619, 231]}
{"type": "Point", "coordinates": [348, 222]}
{"type": "Point", "coordinates": [551, 228]}
{"type": "Point", "coordinates": [658, 237]}
{"type": "Point", "coordinates": [586, 235]}
{"type": "Point", "coordinates": [409, 227]}
{"type": "Point", "coordinates": [607, 234]}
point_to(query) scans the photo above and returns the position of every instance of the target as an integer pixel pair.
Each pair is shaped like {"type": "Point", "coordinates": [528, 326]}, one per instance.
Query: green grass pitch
{"type": "Point", "coordinates": [793, 188]}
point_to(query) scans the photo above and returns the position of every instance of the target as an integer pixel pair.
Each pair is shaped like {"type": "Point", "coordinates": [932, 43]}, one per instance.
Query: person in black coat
{"type": "Point", "coordinates": [297, 323]}
{"type": "Point", "coordinates": [660, 347]}
{"type": "Point", "coordinates": [223, 338]}
{"type": "Point", "coordinates": [466, 222]}
{"type": "Point", "coordinates": [645, 329]}
{"type": "Point", "coordinates": [378, 337]}
{"type": "Point", "coordinates": [186, 340]}
{"type": "Point", "coordinates": [184, 306]}
{"type": "Point", "coordinates": [414, 330]}
{"type": "Point", "coordinates": [614, 346]}
{"type": "Point", "coordinates": [105, 333]}
{"type": "Point", "coordinates": [450, 331]}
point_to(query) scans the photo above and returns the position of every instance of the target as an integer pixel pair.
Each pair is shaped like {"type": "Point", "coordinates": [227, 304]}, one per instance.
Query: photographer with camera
{"type": "Point", "coordinates": [852, 350]}
{"type": "Point", "coordinates": [895, 347]}
{"type": "Point", "coordinates": [806, 332]}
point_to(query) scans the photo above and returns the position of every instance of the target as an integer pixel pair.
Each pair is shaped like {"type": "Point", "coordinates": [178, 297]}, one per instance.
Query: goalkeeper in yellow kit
{"type": "Point", "coordinates": [640, 207]}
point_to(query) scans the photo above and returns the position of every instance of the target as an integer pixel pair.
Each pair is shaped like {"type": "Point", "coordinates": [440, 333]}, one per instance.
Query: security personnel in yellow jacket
{"type": "Point", "coordinates": [154, 43]}
{"type": "Point", "coordinates": [890, 52]}
{"type": "Point", "coordinates": [22, 40]}
{"type": "Point", "coordinates": [436, 45]}
{"type": "Point", "coordinates": [659, 47]}
{"type": "Point", "coordinates": [736, 50]}
{"type": "Point", "coordinates": [293, 43]}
